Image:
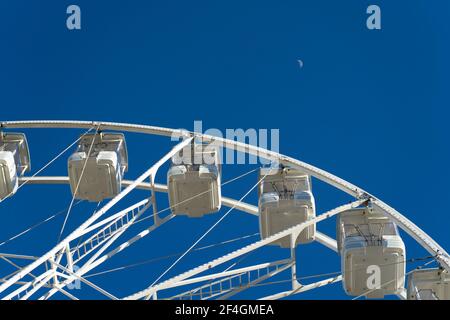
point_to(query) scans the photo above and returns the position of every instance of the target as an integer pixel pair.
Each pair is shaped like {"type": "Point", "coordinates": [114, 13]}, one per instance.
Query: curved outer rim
{"type": "Point", "coordinates": [408, 226]}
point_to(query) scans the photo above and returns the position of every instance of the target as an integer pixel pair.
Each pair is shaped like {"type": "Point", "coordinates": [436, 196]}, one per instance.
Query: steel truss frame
{"type": "Point", "coordinates": [55, 269]}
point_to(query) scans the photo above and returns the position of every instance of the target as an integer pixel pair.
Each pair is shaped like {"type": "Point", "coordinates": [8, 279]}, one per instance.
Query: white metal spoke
{"type": "Point", "coordinates": [17, 292]}
{"type": "Point", "coordinates": [112, 230]}
{"type": "Point", "coordinates": [328, 242]}
{"type": "Point", "coordinates": [259, 279]}
{"type": "Point", "coordinates": [303, 288]}
{"type": "Point", "coordinates": [93, 218]}
{"type": "Point", "coordinates": [296, 229]}
{"type": "Point", "coordinates": [72, 275]}
{"type": "Point", "coordinates": [92, 264]}
{"type": "Point", "coordinates": [205, 234]}
{"type": "Point", "coordinates": [233, 281]}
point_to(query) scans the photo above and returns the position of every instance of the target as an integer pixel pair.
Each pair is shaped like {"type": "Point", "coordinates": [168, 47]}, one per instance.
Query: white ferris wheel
{"type": "Point", "coordinates": [372, 253]}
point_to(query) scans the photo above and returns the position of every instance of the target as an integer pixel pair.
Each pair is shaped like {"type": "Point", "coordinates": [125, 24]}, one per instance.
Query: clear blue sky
{"type": "Point", "coordinates": [368, 106]}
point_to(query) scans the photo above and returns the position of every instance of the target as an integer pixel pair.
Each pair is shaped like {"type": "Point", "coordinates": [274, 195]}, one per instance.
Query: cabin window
{"type": "Point", "coordinates": [370, 232]}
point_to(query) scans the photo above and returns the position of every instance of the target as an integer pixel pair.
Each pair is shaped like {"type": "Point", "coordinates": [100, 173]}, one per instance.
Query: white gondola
{"type": "Point", "coordinates": [194, 181]}
{"type": "Point", "coordinates": [285, 200]}
{"type": "Point", "coordinates": [429, 284]}
{"type": "Point", "coordinates": [101, 170]}
{"type": "Point", "coordinates": [372, 253]}
{"type": "Point", "coordinates": [14, 162]}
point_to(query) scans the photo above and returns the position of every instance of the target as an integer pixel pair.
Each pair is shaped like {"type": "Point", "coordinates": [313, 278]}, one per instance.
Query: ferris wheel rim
{"type": "Point", "coordinates": [413, 230]}
{"type": "Point", "coordinates": [428, 243]}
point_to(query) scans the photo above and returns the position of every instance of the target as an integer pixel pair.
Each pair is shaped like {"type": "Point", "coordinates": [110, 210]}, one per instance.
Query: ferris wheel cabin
{"type": "Point", "coordinates": [14, 161]}
{"type": "Point", "coordinates": [285, 200]}
{"type": "Point", "coordinates": [194, 181]}
{"type": "Point", "coordinates": [429, 284]}
{"type": "Point", "coordinates": [372, 253]}
{"type": "Point", "coordinates": [100, 160]}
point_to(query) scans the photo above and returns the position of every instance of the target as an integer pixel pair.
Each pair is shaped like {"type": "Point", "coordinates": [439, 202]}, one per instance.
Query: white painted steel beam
{"type": "Point", "coordinates": [295, 229]}
{"type": "Point", "coordinates": [61, 245]}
